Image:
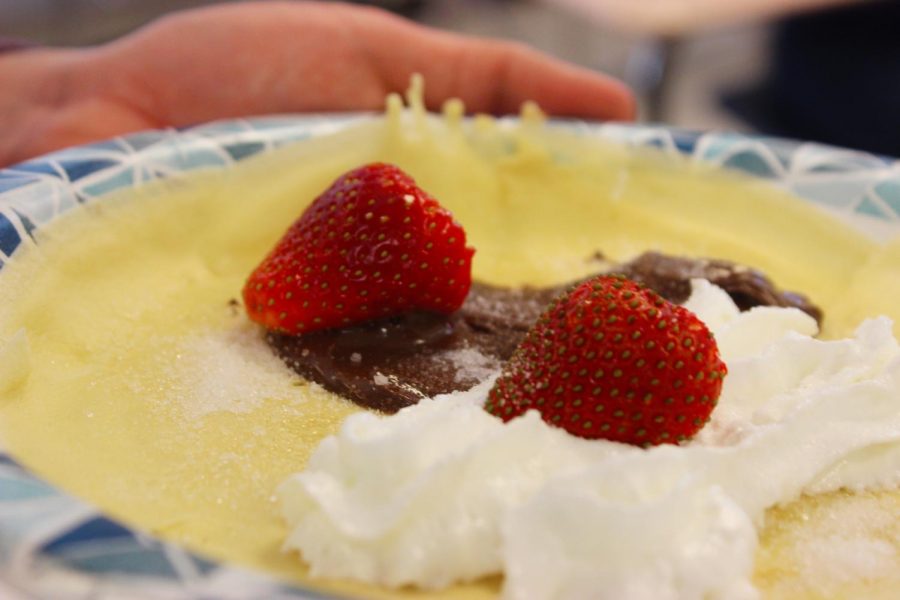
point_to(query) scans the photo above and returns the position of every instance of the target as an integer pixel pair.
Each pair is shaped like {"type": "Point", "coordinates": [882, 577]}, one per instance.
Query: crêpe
{"type": "Point", "coordinates": [147, 393]}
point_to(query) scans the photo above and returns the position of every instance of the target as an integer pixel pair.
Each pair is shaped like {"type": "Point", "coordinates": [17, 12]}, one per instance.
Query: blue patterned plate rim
{"type": "Point", "coordinates": [54, 545]}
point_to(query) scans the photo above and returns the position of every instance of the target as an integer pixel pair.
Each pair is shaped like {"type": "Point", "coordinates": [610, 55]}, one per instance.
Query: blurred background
{"type": "Point", "coordinates": [826, 70]}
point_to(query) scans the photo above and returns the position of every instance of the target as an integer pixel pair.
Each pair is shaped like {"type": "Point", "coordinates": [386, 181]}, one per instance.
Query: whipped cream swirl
{"type": "Point", "coordinates": [443, 492]}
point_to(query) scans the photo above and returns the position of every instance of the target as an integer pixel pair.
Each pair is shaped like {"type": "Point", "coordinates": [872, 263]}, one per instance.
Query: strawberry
{"type": "Point", "coordinates": [611, 359]}
{"type": "Point", "coordinates": [372, 245]}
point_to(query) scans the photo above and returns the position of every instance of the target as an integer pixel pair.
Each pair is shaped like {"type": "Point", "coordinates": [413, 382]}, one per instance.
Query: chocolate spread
{"type": "Point", "coordinates": [670, 277]}
{"type": "Point", "coordinates": [390, 363]}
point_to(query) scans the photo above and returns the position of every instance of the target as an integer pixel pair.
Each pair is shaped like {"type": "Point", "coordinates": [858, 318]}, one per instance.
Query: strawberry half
{"type": "Point", "coordinates": [372, 245]}
{"type": "Point", "coordinates": [612, 359]}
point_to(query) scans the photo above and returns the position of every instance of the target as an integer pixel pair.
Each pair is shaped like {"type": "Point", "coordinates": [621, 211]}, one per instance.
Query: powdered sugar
{"type": "Point", "coordinates": [839, 558]}
{"type": "Point", "coordinates": [229, 370]}
{"type": "Point", "coordinates": [470, 364]}
{"type": "Point", "coordinates": [846, 539]}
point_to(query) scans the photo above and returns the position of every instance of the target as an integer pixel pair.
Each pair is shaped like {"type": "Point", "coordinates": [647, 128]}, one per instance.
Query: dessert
{"type": "Point", "coordinates": [186, 423]}
{"type": "Point", "coordinates": [438, 494]}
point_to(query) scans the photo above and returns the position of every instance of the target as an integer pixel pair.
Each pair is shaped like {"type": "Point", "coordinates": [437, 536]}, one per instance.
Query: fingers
{"type": "Point", "coordinates": [82, 122]}
{"type": "Point", "coordinates": [243, 59]}
{"type": "Point", "coordinates": [498, 78]}
{"type": "Point", "coordinates": [491, 76]}
{"type": "Point", "coordinates": [292, 57]}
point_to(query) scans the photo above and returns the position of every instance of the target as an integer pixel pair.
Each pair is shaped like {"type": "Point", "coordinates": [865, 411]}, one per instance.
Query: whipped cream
{"type": "Point", "coordinates": [442, 492]}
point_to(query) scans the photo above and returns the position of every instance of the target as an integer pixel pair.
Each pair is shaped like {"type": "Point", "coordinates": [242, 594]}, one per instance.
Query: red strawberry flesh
{"type": "Point", "coordinates": [614, 360]}
{"type": "Point", "coordinates": [372, 245]}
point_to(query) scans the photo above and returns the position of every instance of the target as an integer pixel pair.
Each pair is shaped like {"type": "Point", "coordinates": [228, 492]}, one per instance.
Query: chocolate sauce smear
{"type": "Point", "coordinates": [391, 363]}
{"type": "Point", "coordinates": [670, 277]}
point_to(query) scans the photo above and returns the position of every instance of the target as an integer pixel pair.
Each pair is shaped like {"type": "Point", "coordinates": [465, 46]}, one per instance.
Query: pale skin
{"type": "Point", "coordinates": [274, 57]}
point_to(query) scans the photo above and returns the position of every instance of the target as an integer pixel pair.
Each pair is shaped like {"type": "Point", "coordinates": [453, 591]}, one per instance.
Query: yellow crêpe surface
{"type": "Point", "coordinates": [148, 393]}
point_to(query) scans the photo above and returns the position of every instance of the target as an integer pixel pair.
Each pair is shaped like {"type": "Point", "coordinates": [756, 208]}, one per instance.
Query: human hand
{"type": "Point", "coordinates": [274, 57]}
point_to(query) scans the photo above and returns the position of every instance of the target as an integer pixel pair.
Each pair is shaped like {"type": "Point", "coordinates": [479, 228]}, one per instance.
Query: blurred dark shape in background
{"type": "Point", "coordinates": [831, 75]}
{"type": "Point", "coordinates": [403, 7]}
{"type": "Point", "coordinates": [834, 77]}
